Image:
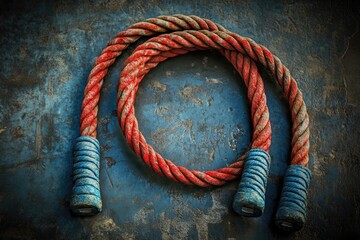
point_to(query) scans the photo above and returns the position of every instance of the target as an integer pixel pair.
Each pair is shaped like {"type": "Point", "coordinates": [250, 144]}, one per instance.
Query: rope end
{"type": "Point", "coordinates": [86, 198]}
{"type": "Point", "coordinates": [291, 213]}
{"type": "Point", "coordinates": [86, 205]}
{"type": "Point", "coordinates": [249, 200]}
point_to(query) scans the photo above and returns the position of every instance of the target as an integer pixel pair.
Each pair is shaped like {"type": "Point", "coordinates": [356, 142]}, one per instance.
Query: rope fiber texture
{"type": "Point", "coordinates": [189, 33]}
{"type": "Point", "coordinates": [173, 36]}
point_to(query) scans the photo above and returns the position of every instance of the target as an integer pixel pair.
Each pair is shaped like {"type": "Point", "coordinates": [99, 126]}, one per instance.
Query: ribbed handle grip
{"type": "Point", "coordinates": [250, 198]}
{"type": "Point", "coordinates": [291, 213]}
{"type": "Point", "coordinates": [86, 198]}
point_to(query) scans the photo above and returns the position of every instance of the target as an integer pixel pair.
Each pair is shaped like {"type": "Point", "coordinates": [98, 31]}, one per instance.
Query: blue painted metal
{"type": "Point", "coordinates": [202, 121]}
{"type": "Point", "coordinates": [86, 197]}
{"type": "Point", "coordinates": [291, 213]}
{"type": "Point", "coordinates": [249, 199]}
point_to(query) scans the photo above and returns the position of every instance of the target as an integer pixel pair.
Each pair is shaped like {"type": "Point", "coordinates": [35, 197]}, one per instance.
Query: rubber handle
{"type": "Point", "coordinates": [86, 198]}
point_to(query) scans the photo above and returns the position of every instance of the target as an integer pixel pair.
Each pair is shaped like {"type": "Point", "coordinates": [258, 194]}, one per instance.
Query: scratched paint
{"type": "Point", "coordinates": [46, 53]}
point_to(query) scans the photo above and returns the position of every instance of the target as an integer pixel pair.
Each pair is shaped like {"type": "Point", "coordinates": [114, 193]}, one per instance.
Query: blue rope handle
{"type": "Point", "coordinates": [86, 198]}
{"type": "Point", "coordinates": [249, 200]}
{"type": "Point", "coordinates": [291, 213]}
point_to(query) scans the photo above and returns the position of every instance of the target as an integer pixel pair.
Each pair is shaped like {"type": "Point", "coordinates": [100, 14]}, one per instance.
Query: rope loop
{"type": "Point", "coordinates": [181, 34]}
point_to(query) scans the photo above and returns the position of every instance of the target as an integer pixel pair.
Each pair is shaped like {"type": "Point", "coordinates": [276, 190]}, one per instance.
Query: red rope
{"type": "Point", "coordinates": [201, 34]}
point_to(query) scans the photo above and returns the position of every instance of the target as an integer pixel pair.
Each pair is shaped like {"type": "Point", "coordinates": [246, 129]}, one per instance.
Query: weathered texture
{"type": "Point", "coordinates": [47, 49]}
{"type": "Point", "coordinates": [86, 197]}
{"type": "Point", "coordinates": [249, 199]}
{"type": "Point", "coordinates": [147, 56]}
{"type": "Point", "coordinates": [291, 213]}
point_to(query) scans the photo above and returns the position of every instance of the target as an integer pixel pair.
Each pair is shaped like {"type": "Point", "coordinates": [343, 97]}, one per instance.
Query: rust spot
{"type": "Point", "coordinates": [104, 147]}
{"type": "Point", "coordinates": [104, 121]}
{"type": "Point", "coordinates": [2, 130]}
{"type": "Point", "coordinates": [18, 132]}
{"type": "Point", "coordinates": [189, 94]}
{"type": "Point", "coordinates": [19, 79]}
{"type": "Point", "coordinates": [158, 86]}
{"type": "Point", "coordinates": [213, 81]}
{"type": "Point", "coordinates": [110, 162]}
{"type": "Point", "coordinates": [169, 73]}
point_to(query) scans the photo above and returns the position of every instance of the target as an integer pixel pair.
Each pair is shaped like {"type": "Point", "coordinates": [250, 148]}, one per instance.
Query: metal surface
{"type": "Point", "coordinates": [46, 53]}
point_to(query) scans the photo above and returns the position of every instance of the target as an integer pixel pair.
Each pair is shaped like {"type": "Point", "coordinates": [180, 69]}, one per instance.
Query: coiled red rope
{"type": "Point", "coordinates": [199, 34]}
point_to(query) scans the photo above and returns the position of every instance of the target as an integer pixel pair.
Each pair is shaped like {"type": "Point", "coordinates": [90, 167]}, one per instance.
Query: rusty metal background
{"type": "Point", "coordinates": [192, 109]}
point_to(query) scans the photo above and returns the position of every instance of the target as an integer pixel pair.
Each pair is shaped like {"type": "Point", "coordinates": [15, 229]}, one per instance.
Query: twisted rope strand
{"type": "Point", "coordinates": [201, 34]}
{"type": "Point", "coordinates": [131, 77]}
{"type": "Point", "coordinates": [114, 49]}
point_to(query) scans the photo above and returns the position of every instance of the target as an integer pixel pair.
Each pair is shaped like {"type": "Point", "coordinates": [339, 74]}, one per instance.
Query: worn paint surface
{"type": "Point", "coordinates": [46, 53]}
